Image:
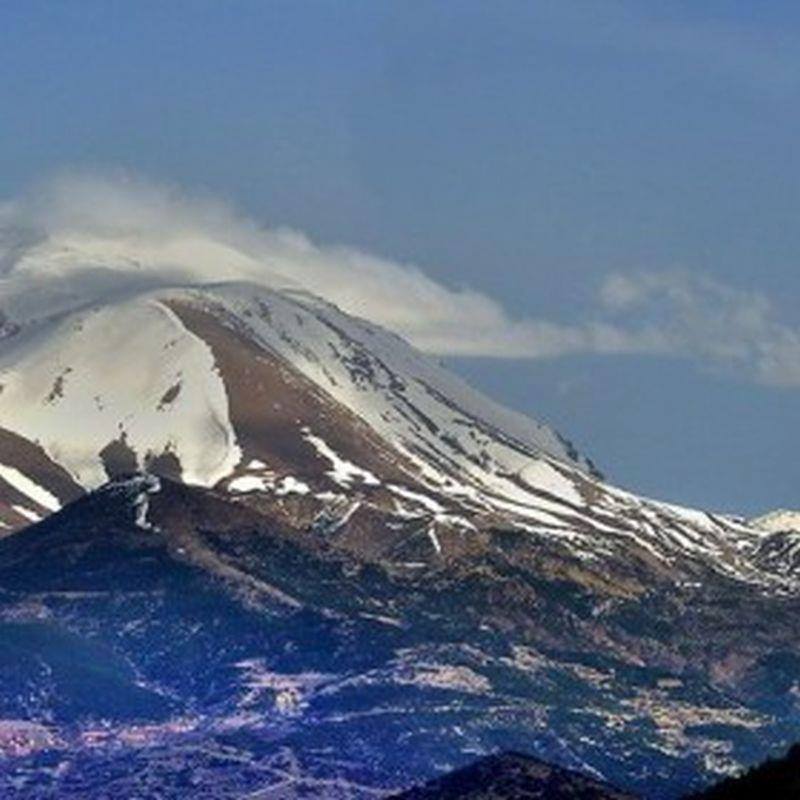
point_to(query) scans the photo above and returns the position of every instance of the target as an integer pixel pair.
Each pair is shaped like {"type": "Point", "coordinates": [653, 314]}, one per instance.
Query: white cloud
{"type": "Point", "coordinates": [701, 318]}
{"type": "Point", "coordinates": [78, 238]}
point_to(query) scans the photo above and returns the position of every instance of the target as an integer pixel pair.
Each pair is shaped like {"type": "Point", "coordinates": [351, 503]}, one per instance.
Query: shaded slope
{"type": "Point", "coordinates": [513, 776]}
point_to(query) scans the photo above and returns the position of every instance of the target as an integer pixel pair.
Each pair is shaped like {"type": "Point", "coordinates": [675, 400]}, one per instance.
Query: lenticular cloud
{"type": "Point", "coordinates": [81, 238]}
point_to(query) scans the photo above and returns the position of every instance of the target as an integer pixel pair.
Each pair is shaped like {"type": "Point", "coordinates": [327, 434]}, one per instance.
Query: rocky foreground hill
{"type": "Point", "coordinates": [777, 777]}
{"type": "Point", "coordinates": [516, 776]}
{"type": "Point", "coordinates": [158, 638]}
{"type": "Point", "coordinates": [513, 776]}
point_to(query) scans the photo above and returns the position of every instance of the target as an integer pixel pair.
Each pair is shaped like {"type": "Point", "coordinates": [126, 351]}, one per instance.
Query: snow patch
{"type": "Point", "coordinates": [291, 485]}
{"type": "Point", "coordinates": [542, 476]}
{"type": "Point", "coordinates": [121, 359]}
{"type": "Point", "coordinates": [437, 545]}
{"type": "Point", "coordinates": [249, 483]}
{"type": "Point", "coordinates": [22, 483]}
{"type": "Point", "coordinates": [343, 472]}
{"type": "Point", "coordinates": [780, 521]}
{"type": "Point", "coordinates": [27, 513]}
{"type": "Point", "coordinates": [149, 484]}
{"type": "Point", "coordinates": [428, 503]}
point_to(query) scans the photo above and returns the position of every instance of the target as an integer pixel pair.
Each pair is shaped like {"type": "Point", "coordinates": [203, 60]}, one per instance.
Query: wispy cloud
{"type": "Point", "coordinates": [703, 319]}
{"type": "Point", "coordinates": [79, 238]}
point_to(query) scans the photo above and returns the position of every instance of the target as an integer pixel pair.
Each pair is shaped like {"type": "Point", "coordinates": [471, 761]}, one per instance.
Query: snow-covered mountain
{"type": "Point", "coordinates": [345, 571]}
{"type": "Point", "coordinates": [274, 395]}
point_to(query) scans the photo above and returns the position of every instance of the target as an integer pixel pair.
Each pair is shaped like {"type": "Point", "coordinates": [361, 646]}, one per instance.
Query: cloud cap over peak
{"type": "Point", "coordinates": [81, 237]}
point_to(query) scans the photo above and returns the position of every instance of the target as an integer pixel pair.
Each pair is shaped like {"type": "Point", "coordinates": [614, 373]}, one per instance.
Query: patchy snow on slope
{"type": "Point", "coordinates": [342, 471]}
{"type": "Point", "coordinates": [403, 395]}
{"type": "Point", "coordinates": [437, 545]}
{"type": "Point", "coordinates": [291, 485]}
{"type": "Point", "coordinates": [27, 513]}
{"type": "Point", "coordinates": [250, 483]}
{"type": "Point", "coordinates": [542, 476]}
{"type": "Point", "coordinates": [146, 485]}
{"type": "Point", "coordinates": [23, 484]}
{"type": "Point", "coordinates": [418, 498]}
{"type": "Point", "coordinates": [126, 372]}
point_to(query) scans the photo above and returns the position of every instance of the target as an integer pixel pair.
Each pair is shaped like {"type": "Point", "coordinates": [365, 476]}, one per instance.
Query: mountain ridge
{"type": "Point", "coordinates": [513, 776]}
{"type": "Point", "coordinates": [265, 531]}
{"type": "Point", "coordinates": [269, 392]}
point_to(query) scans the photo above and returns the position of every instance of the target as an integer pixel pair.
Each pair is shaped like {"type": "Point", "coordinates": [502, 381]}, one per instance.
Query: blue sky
{"type": "Point", "coordinates": [626, 165]}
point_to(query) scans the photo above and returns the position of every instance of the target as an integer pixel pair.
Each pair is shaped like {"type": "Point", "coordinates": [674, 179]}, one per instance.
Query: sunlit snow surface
{"type": "Point", "coordinates": [78, 383]}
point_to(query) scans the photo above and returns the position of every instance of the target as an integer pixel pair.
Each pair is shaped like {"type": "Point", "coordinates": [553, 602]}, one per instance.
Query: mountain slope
{"type": "Point", "coordinates": [272, 392]}
{"type": "Point", "coordinates": [156, 636]}
{"type": "Point", "coordinates": [167, 394]}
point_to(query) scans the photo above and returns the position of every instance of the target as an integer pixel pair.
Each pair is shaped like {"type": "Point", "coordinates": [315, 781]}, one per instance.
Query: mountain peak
{"type": "Point", "coordinates": [779, 521]}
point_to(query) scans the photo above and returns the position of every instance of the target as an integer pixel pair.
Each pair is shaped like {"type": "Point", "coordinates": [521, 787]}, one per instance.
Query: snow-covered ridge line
{"type": "Point", "coordinates": [780, 520]}
{"type": "Point", "coordinates": [131, 385]}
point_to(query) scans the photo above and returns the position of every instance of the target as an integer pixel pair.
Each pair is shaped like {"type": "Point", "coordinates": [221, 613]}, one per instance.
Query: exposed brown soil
{"type": "Point", "coordinates": [32, 460]}
{"type": "Point", "coordinates": [271, 403]}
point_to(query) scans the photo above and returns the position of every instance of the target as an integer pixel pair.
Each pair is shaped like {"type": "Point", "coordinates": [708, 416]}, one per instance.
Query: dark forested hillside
{"type": "Point", "coordinates": [514, 776]}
